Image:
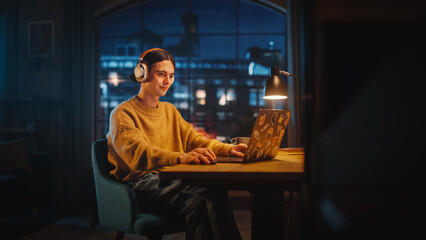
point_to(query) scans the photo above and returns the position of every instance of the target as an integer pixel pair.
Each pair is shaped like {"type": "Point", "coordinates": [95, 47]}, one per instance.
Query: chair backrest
{"type": "Point", "coordinates": [117, 205]}
{"type": "Point", "coordinates": [101, 167]}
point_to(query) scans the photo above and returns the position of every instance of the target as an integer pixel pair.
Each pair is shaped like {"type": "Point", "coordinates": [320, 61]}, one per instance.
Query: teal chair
{"type": "Point", "coordinates": [117, 204]}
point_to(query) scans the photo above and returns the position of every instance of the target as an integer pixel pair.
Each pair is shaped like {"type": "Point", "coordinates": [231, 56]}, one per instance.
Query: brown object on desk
{"type": "Point", "coordinates": [265, 179]}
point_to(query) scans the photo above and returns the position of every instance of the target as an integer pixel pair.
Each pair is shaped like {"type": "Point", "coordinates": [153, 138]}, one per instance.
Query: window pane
{"type": "Point", "coordinates": [217, 56]}
{"type": "Point", "coordinates": [109, 46]}
{"type": "Point", "coordinates": [164, 17]}
{"type": "Point", "coordinates": [218, 47]}
{"type": "Point", "coordinates": [261, 52]}
{"type": "Point", "coordinates": [257, 18]}
{"type": "Point", "coordinates": [249, 99]}
{"type": "Point", "coordinates": [181, 70]}
{"type": "Point", "coordinates": [215, 16]}
{"type": "Point", "coordinates": [111, 93]}
{"type": "Point", "coordinates": [179, 96]}
{"type": "Point", "coordinates": [126, 22]}
{"type": "Point", "coordinates": [214, 104]}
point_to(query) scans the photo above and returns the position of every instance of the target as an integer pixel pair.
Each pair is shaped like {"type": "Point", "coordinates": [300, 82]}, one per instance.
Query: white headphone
{"type": "Point", "coordinates": [141, 70]}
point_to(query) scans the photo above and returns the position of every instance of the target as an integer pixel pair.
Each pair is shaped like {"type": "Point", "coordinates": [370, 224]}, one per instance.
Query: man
{"type": "Point", "coordinates": [146, 134]}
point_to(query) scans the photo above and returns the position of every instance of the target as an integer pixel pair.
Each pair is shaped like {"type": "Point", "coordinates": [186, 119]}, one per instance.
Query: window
{"type": "Point", "coordinates": [223, 51]}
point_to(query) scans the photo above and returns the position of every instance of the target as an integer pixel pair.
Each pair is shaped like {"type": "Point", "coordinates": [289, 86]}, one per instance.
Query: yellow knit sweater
{"type": "Point", "coordinates": [142, 139]}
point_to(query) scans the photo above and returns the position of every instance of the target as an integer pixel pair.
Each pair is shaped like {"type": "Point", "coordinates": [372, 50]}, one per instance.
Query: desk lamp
{"type": "Point", "coordinates": [275, 87]}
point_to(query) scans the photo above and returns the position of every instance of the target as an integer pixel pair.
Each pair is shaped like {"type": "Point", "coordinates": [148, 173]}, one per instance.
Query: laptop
{"type": "Point", "coordinates": [265, 138]}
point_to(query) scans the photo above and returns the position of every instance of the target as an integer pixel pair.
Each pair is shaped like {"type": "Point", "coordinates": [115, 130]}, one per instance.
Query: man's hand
{"type": "Point", "coordinates": [198, 156]}
{"type": "Point", "coordinates": [238, 150]}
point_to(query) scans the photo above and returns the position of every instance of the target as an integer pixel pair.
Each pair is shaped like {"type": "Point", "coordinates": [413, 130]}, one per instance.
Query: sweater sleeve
{"type": "Point", "coordinates": [132, 146]}
{"type": "Point", "coordinates": [197, 140]}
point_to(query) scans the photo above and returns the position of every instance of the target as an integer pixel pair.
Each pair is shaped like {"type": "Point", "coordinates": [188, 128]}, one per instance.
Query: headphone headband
{"type": "Point", "coordinates": [149, 50]}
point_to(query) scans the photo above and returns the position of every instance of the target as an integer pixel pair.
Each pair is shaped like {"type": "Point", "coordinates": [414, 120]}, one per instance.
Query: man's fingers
{"type": "Point", "coordinates": [210, 154]}
{"type": "Point", "coordinates": [242, 146]}
{"type": "Point", "coordinates": [206, 152]}
{"type": "Point", "coordinates": [204, 158]}
{"type": "Point", "coordinates": [198, 158]}
{"type": "Point", "coordinates": [195, 160]}
{"type": "Point", "coordinates": [238, 150]}
{"type": "Point", "coordinates": [236, 153]}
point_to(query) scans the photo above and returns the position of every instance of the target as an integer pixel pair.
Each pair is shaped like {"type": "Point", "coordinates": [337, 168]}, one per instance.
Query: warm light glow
{"type": "Point", "coordinates": [200, 93]}
{"type": "Point", "coordinates": [222, 100]}
{"type": "Point", "coordinates": [201, 96]}
{"type": "Point", "coordinates": [274, 97]}
{"type": "Point", "coordinates": [230, 95]}
{"type": "Point", "coordinates": [201, 101]}
{"type": "Point", "coordinates": [113, 78]}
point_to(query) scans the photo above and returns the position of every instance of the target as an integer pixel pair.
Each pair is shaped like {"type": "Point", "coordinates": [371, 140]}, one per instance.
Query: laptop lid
{"type": "Point", "coordinates": [267, 134]}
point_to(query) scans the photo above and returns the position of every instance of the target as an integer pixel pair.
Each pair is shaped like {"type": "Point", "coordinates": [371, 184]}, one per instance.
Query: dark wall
{"type": "Point", "coordinates": [47, 95]}
{"type": "Point", "coordinates": [366, 134]}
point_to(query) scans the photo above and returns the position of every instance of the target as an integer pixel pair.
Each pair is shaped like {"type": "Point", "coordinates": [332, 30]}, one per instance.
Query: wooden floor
{"type": "Point", "coordinates": [78, 225]}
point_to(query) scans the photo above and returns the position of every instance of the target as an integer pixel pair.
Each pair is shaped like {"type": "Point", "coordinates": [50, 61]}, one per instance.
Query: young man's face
{"type": "Point", "coordinates": [160, 78]}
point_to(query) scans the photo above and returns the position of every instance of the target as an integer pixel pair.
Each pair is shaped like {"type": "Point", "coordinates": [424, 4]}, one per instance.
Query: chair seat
{"type": "Point", "coordinates": [149, 224]}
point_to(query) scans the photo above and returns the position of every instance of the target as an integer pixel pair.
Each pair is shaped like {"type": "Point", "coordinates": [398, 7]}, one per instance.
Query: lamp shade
{"type": "Point", "coordinates": [275, 87]}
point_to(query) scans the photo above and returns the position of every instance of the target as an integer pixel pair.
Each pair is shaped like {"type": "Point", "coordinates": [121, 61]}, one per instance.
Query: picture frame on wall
{"type": "Point", "coordinates": [40, 39]}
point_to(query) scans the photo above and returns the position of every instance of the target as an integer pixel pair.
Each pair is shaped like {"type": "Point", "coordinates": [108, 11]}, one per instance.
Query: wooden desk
{"type": "Point", "coordinates": [266, 180]}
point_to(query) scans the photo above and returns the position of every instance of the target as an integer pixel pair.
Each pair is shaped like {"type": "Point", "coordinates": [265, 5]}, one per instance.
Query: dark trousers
{"type": "Point", "coordinates": [207, 212]}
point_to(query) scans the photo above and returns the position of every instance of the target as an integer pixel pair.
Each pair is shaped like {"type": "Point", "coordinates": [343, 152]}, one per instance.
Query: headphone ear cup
{"type": "Point", "coordinates": [141, 72]}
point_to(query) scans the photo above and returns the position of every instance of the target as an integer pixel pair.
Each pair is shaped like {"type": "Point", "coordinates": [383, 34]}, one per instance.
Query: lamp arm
{"type": "Point", "coordinates": [288, 74]}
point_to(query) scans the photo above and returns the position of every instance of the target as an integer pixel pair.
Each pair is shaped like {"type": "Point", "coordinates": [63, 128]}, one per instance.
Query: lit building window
{"type": "Point", "coordinates": [201, 96]}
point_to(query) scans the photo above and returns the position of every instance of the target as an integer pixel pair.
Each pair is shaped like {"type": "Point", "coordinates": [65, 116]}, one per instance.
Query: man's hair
{"type": "Point", "coordinates": [157, 56]}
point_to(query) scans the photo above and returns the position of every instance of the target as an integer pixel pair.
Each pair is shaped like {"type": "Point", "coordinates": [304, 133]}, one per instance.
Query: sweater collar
{"type": "Point", "coordinates": [155, 112]}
